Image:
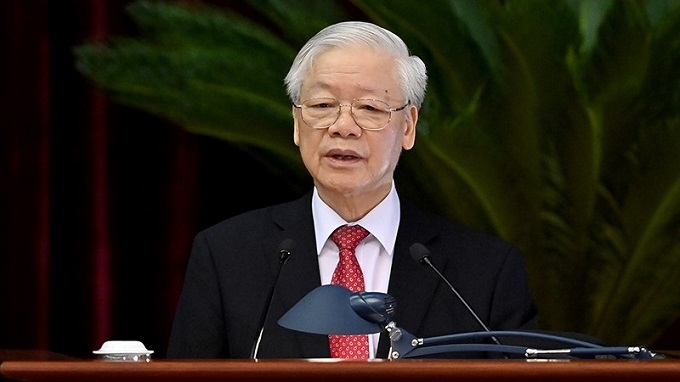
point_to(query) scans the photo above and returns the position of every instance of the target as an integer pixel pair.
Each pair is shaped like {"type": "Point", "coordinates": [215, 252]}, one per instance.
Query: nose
{"type": "Point", "coordinates": [345, 125]}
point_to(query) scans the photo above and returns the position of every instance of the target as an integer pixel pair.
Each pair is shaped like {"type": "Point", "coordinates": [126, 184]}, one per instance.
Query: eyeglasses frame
{"type": "Point", "coordinates": [351, 111]}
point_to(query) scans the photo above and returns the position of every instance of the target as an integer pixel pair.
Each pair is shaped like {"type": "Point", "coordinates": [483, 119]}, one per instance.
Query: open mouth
{"type": "Point", "coordinates": [344, 157]}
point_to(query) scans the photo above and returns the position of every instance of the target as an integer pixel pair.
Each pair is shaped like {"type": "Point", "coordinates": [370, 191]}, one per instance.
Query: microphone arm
{"type": "Point", "coordinates": [284, 254]}
{"type": "Point", "coordinates": [421, 254]}
{"type": "Point", "coordinates": [405, 345]}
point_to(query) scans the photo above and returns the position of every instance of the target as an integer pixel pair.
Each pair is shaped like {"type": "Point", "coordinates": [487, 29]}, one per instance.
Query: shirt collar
{"type": "Point", "coordinates": [382, 221]}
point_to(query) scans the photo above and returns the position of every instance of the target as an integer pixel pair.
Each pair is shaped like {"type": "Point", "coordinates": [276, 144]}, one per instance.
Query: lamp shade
{"type": "Point", "coordinates": [327, 310]}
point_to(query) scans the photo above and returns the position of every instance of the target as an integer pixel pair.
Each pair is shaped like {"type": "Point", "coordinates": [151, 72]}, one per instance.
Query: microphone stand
{"type": "Point", "coordinates": [405, 345]}
{"type": "Point", "coordinates": [284, 255]}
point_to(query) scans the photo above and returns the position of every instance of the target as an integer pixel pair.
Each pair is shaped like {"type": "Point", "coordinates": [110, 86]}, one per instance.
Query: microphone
{"type": "Point", "coordinates": [421, 254]}
{"type": "Point", "coordinates": [285, 249]}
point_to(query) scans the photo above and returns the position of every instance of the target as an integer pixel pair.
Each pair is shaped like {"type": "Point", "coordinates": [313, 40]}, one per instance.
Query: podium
{"type": "Point", "coordinates": [342, 370]}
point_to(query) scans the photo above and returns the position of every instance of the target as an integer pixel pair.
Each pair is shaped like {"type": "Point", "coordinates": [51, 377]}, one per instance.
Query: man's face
{"type": "Point", "coordinates": [344, 159]}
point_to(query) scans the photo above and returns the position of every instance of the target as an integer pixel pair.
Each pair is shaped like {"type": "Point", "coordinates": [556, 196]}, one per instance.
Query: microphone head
{"type": "Point", "coordinates": [419, 252]}
{"type": "Point", "coordinates": [285, 248]}
{"type": "Point", "coordinates": [373, 307]}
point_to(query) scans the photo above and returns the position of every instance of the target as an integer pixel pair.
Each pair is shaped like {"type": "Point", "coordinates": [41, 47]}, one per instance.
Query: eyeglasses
{"type": "Point", "coordinates": [369, 114]}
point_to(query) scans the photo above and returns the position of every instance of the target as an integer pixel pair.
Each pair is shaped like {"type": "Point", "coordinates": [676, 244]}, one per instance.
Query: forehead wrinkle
{"type": "Point", "coordinates": [365, 89]}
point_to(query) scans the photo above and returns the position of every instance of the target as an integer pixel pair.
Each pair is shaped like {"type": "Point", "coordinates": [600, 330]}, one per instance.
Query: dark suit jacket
{"type": "Point", "coordinates": [234, 263]}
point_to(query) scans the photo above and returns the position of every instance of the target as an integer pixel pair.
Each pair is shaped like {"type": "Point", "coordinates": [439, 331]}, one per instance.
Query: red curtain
{"type": "Point", "coordinates": [98, 202]}
{"type": "Point", "coordinates": [73, 275]}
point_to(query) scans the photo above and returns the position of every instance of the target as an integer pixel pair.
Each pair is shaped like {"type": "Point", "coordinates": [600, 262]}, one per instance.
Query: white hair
{"type": "Point", "coordinates": [411, 69]}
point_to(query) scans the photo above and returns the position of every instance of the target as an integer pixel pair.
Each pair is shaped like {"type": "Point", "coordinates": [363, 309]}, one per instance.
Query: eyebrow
{"type": "Point", "coordinates": [370, 90]}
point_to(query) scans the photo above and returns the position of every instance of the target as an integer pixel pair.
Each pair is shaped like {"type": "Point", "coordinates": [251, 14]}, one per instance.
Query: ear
{"type": "Point", "coordinates": [296, 128]}
{"type": "Point", "coordinates": [410, 122]}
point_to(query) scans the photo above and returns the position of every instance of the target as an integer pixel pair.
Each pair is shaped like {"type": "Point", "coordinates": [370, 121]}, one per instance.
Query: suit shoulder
{"type": "Point", "coordinates": [260, 218]}
{"type": "Point", "coordinates": [453, 233]}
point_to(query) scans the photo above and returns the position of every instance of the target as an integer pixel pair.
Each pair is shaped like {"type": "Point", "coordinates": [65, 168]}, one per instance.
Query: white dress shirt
{"type": "Point", "coordinates": [374, 253]}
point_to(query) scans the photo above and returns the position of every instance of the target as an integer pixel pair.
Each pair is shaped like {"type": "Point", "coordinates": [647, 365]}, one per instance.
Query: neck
{"type": "Point", "coordinates": [354, 206]}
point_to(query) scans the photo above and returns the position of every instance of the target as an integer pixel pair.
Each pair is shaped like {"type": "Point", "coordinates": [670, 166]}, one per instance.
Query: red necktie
{"type": "Point", "coordinates": [348, 274]}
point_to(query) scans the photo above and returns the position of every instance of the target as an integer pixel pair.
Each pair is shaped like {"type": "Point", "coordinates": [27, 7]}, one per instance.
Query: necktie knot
{"type": "Point", "coordinates": [349, 236]}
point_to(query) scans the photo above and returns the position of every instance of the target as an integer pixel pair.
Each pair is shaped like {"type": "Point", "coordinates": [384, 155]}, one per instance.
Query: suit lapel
{"type": "Point", "coordinates": [301, 273]}
{"type": "Point", "coordinates": [412, 284]}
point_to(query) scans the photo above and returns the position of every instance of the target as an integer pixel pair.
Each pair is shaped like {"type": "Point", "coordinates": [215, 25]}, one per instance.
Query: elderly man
{"type": "Point", "coordinates": [356, 92]}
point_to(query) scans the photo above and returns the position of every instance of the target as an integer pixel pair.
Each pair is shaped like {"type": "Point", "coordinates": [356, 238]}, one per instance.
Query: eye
{"type": "Point", "coordinates": [370, 106]}
{"type": "Point", "coordinates": [321, 104]}
{"type": "Point", "coordinates": [366, 107]}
